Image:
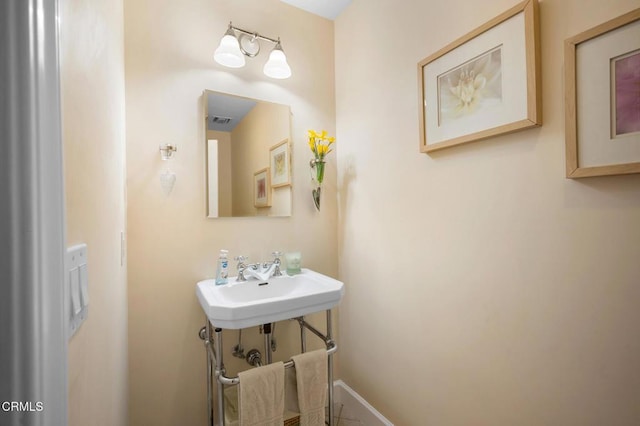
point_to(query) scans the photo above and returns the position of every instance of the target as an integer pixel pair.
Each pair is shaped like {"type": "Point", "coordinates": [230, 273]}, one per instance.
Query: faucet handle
{"type": "Point", "coordinates": [276, 260]}
{"type": "Point", "coordinates": [241, 266]}
{"type": "Point", "coordinates": [241, 261]}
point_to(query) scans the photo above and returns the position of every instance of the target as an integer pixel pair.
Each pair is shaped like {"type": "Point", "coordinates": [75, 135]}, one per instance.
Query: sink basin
{"type": "Point", "coordinates": [254, 302]}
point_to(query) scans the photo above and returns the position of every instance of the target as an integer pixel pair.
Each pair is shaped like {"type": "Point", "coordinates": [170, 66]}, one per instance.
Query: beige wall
{"type": "Point", "coordinates": [169, 62]}
{"type": "Point", "coordinates": [92, 85]}
{"type": "Point", "coordinates": [483, 288]}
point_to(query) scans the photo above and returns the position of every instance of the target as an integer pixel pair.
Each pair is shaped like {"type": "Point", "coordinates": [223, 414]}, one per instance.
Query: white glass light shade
{"type": "Point", "coordinates": [277, 66]}
{"type": "Point", "coordinates": [228, 53]}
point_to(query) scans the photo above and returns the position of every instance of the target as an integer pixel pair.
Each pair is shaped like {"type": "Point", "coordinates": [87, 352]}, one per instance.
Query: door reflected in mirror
{"type": "Point", "coordinates": [243, 137]}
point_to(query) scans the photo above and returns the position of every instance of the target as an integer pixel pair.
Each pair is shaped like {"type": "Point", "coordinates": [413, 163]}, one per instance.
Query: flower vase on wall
{"type": "Point", "coordinates": [317, 176]}
{"type": "Point", "coordinates": [320, 145]}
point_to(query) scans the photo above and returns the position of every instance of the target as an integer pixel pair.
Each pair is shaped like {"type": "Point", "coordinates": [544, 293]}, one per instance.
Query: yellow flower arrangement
{"type": "Point", "coordinates": [320, 144]}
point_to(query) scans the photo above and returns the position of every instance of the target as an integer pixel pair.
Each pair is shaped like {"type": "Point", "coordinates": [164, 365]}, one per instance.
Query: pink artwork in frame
{"type": "Point", "coordinates": [626, 89]}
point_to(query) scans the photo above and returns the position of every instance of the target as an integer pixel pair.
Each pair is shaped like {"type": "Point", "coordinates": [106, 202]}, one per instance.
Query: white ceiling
{"type": "Point", "coordinates": [329, 9]}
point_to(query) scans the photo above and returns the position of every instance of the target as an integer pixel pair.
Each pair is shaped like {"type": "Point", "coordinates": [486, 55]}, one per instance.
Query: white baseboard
{"type": "Point", "coordinates": [350, 409]}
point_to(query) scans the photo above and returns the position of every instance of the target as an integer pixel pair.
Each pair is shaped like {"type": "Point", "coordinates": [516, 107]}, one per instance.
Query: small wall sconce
{"type": "Point", "coordinates": [167, 178]}
{"type": "Point", "coordinates": [232, 50]}
{"type": "Point", "coordinates": [166, 151]}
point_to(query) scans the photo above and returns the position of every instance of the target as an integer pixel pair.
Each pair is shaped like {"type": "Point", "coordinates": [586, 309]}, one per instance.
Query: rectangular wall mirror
{"type": "Point", "coordinates": [248, 144]}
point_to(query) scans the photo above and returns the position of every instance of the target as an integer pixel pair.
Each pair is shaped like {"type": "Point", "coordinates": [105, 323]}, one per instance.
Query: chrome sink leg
{"type": "Point", "coordinates": [330, 367]}
{"type": "Point", "coordinates": [205, 335]}
{"type": "Point", "coordinates": [303, 338]}
{"type": "Point", "coordinates": [219, 369]}
{"type": "Point", "coordinates": [267, 343]}
{"type": "Point", "coordinates": [209, 390]}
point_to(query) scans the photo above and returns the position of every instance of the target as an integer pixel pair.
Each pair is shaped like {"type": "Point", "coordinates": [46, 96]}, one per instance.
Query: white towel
{"type": "Point", "coordinates": [311, 378]}
{"type": "Point", "coordinates": [261, 396]}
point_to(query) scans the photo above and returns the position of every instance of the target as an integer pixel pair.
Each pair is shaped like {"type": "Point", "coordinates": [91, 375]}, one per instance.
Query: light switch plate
{"type": "Point", "coordinates": [78, 287]}
{"type": "Point", "coordinates": [74, 277]}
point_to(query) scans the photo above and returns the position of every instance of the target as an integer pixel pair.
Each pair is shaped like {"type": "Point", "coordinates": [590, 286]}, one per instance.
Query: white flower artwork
{"type": "Point", "coordinates": [471, 87]}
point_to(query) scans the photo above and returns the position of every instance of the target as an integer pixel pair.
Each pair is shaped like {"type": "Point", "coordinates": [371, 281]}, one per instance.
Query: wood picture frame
{"type": "Point", "coordinates": [262, 188]}
{"type": "Point", "coordinates": [468, 93]}
{"type": "Point", "coordinates": [280, 164]}
{"type": "Point", "coordinates": [599, 140]}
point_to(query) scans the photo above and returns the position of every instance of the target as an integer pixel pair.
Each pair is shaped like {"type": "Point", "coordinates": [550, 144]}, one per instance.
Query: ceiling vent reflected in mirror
{"type": "Point", "coordinates": [221, 120]}
{"type": "Point", "coordinates": [226, 112]}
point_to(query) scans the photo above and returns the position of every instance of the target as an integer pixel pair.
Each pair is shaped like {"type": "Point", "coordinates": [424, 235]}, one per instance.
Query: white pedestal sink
{"type": "Point", "coordinates": [253, 302]}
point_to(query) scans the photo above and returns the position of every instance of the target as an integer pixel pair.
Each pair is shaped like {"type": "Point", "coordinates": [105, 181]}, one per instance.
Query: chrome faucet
{"type": "Point", "coordinates": [256, 270]}
{"type": "Point", "coordinates": [243, 266]}
{"type": "Point", "coordinates": [275, 263]}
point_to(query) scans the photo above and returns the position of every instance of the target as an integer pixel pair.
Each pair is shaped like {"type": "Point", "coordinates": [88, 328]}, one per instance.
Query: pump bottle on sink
{"type": "Point", "coordinates": [222, 270]}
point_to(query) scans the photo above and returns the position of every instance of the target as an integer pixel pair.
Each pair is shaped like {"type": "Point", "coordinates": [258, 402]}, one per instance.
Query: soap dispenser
{"type": "Point", "coordinates": [222, 271]}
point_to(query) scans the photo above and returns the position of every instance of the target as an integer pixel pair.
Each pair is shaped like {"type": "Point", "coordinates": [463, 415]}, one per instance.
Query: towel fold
{"type": "Point", "coordinates": [291, 391]}
{"type": "Point", "coordinates": [261, 396]}
{"type": "Point", "coordinates": [311, 379]}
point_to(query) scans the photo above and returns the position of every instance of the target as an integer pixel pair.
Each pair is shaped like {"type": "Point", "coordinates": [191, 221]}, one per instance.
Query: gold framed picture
{"type": "Point", "coordinates": [261, 188]}
{"type": "Point", "coordinates": [484, 84]}
{"type": "Point", "coordinates": [280, 164]}
{"type": "Point", "coordinates": [602, 101]}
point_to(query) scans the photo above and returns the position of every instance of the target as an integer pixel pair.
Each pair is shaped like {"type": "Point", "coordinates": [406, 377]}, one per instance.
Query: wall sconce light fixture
{"type": "Point", "coordinates": [167, 178]}
{"type": "Point", "coordinates": [166, 151]}
{"type": "Point", "coordinates": [232, 50]}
